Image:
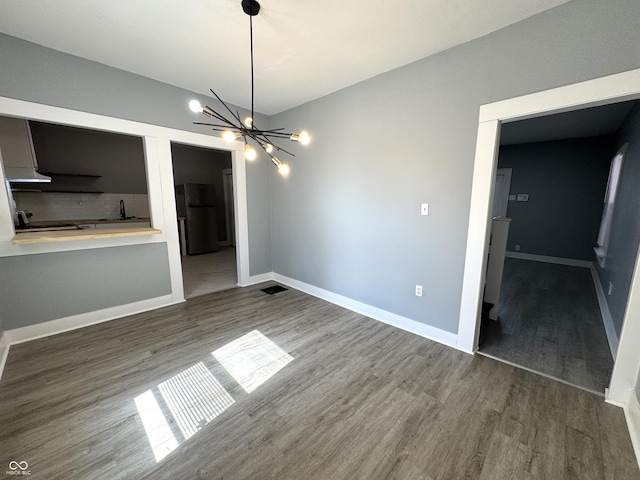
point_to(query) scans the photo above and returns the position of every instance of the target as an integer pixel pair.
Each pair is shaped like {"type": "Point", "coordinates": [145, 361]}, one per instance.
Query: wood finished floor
{"type": "Point", "coordinates": [359, 400]}
{"type": "Point", "coordinates": [550, 322]}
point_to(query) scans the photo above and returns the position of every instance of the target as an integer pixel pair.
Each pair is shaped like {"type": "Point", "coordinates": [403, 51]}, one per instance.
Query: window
{"type": "Point", "coordinates": [609, 203]}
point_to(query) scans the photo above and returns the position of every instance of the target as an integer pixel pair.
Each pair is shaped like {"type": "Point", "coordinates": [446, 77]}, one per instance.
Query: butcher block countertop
{"type": "Point", "coordinates": [26, 237]}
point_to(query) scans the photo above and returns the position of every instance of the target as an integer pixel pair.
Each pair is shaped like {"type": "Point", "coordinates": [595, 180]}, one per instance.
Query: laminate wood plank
{"type": "Point", "coordinates": [550, 322]}
{"type": "Point", "coordinates": [583, 456]}
{"type": "Point", "coordinates": [617, 460]}
{"type": "Point", "coordinates": [506, 458]}
{"type": "Point", "coordinates": [360, 399]}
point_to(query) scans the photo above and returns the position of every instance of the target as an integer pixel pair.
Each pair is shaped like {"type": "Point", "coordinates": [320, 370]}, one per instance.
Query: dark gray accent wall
{"type": "Point", "coordinates": [203, 165]}
{"type": "Point", "coordinates": [347, 218]}
{"type": "Point", "coordinates": [38, 288]}
{"type": "Point", "coordinates": [117, 159]}
{"type": "Point", "coordinates": [625, 226]}
{"type": "Point", "coordinates": [565, 181]}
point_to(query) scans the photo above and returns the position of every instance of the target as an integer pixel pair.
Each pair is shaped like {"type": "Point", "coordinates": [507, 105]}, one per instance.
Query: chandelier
{"type": "Point", "coordinates": [234, 128]}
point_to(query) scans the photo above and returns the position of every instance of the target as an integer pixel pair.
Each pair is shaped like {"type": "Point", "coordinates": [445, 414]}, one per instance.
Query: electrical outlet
{"type": "Point", "coordinates": [418, 290]}
{"type": "Point", "coordinates": [610, 288]}
{"type": "Point", "coordinates": [517, 248]}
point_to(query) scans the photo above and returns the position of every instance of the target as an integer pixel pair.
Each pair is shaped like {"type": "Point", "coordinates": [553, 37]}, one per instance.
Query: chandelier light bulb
{"type": "Point", "coordinates": [250, 152]}
{"type": "Point", "coordinates": [229, 136]}
{"type": "Point", "coordinates": [195, 106]}
{"type": "Point", "coordinates": [283, 169]}
{"type": "Point", "coordinates": [248, 122]}
{"type": "Point", "coordinates": [300, 137]}
{"type": "Point", "coordinates": [304, 138]}
{"type": "Point", "coordinates": [268, 147]}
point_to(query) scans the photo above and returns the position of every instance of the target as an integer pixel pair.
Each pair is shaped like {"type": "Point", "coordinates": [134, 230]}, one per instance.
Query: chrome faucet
{"type": "Point", "coordinates": [123, 215]}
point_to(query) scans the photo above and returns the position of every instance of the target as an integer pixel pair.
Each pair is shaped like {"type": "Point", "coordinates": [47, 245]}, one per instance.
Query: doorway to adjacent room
{"type": "Point", "coordinates": [206, 219]}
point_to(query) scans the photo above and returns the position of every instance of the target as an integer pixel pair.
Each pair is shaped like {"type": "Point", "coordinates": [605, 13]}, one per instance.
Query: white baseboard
{"type": "Point", "coordinates": [4, 351]}
{"type": "Point", "coordinates": [612, 337]}
{"type": "Point", "coordinates": [572, 262]}
{"type": "Point", "coordinates": [255, 279]}
{"type": "Point", "coordinates": [632, 415]}
{"type": "Point", "coordinates": [403, 323]}
{"type": "Point", "coordinates": [61, 325]}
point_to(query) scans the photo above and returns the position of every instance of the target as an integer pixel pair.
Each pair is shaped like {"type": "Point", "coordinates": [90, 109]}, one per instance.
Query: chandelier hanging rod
{"type": "Point", "coordinates": [246, 129]}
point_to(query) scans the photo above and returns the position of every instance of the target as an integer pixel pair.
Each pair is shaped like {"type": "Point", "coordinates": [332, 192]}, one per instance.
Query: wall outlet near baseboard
{"type": "Point", "coordinates": [418, 290]}
{"type": "Point", "coordinates": [517, 248]}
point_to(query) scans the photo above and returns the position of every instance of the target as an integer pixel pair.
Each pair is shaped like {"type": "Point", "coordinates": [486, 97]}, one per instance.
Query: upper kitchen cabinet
{"type": "Point", "coordinates": [16, 148]}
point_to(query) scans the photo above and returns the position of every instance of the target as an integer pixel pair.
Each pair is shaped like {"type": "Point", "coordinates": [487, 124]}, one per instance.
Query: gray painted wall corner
{"type": "Point", "coordinates": [349, 222]}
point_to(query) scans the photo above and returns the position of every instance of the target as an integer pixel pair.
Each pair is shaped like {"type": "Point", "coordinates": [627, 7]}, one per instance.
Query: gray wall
{"type": "Point", "coordinates": [203, 165]}
{"type": "Point", "coordinates": [34, 73]}
{"type": "Point", "coordinates": [347, 219]}
{"type": "Point", "coordinates": [566, 181]}
{"type": "Point", "coordinates": [37, 288]}
{"type": "Point", "coordinates": [118, 159]}
{"type": "Point", "coordinates": [625, 226]}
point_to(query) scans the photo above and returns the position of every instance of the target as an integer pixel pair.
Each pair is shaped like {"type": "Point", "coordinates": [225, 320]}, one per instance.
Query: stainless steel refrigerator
{"type": "Point", "coordinates": [197, 204]}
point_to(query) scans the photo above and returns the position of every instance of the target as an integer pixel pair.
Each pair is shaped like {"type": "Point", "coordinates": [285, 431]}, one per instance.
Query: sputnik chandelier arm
{"type": "Point", "coordinates": [234, 128]}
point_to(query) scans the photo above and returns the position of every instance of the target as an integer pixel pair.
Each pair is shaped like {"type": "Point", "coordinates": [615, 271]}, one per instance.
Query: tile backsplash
{"type": "Point", "coordinates": [80, 206]}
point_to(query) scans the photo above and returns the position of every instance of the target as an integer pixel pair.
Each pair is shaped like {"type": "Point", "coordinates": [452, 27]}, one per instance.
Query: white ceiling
{"type": "Point", "coordinates": [304, 49]}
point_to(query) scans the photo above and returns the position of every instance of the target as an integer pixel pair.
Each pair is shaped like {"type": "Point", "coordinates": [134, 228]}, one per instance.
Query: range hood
{"type": "Point", "coordinates": [17, 152]}
{"type": "Point", "coordinates": [26, 174]}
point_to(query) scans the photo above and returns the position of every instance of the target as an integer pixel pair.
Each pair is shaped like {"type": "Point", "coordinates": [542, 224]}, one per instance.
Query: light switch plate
{"type": "Point", "coordinates": [424, 209]}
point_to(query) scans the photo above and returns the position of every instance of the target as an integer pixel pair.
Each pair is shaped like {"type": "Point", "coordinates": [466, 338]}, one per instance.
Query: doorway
{"type": "Point", "coordinates": [614, 88]}
{"type": "Point", "coordinates": [548, 317]}
{"type": "Point", "coordinates": [212, 266]}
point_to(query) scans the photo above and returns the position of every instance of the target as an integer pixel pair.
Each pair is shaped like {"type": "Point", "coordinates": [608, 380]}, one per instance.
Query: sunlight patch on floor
{"type": "Point", "coordinates": [252, 359]}
{"type": "Point", "coordinates": [195, 397]}
{"type": "Point", "coordinates": [161, 438]}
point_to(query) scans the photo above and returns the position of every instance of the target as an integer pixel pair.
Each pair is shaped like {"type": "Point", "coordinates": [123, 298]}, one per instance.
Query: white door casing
{"type": "Point", "coordinates": [601, 91]}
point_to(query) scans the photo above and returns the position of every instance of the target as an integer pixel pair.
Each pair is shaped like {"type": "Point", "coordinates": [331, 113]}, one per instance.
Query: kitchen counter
{"type": "Point", "coordinates": [25, 237]}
